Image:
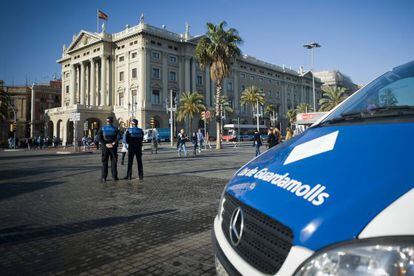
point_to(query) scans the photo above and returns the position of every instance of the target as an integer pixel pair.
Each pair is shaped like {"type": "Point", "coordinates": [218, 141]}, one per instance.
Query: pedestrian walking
{"type": "Point", "coordinates": [96, 141]}
{"type": "Point", "coordinates": [108, 136]}
{"type": "Point", "coordinates": [208, 143]}
{"type": "Point", "coordinates": [200, 140]}
{"type": "Point", "coordinates": [194, 141]}
{"type": "Point", "coordinates": [271, 138]}
{"type": "Point", "coordinates": [181, 139]}
{"type": "Point", "coordinates": [289, 133]}
{"type": "Point", "coordinates": [154, 141]}
{"type": "Point", "coordinates": [134, 136]}
{"type": "Point", "coordinates": [257, 142]}
{"type": "Point", "coordinates": [84, 142]}
{"type": "Point", "coordinates": [124, 149]}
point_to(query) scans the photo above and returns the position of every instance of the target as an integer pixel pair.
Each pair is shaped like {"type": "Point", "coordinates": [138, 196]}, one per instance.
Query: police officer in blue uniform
{"type": "Point", "coordinates": [134, 137]}
{"type": "Point", "coordinates": [108, 136]}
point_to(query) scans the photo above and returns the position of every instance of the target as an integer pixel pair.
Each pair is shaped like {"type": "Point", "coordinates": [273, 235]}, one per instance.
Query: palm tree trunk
{"type": "Point", "coordinates": [219, 89]}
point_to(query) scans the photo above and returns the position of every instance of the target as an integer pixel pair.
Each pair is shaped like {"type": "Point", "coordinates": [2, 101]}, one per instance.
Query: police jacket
{"type": "Point", "coordinates": [108, 134]}
{"type": "Point", "coordinates": [134, 136]}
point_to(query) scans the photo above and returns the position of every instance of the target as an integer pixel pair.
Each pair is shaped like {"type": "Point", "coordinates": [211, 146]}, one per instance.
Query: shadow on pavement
{"type": "Point", "coordinates": [9, 190]}
{"type": "Point", "coordinates": [24, 233]}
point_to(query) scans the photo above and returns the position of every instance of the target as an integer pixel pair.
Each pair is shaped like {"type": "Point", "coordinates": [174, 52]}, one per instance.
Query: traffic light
{"type": "Point", "coordinates": [203, 115]}
{"type": "Point", "coordinates": [152, 122]}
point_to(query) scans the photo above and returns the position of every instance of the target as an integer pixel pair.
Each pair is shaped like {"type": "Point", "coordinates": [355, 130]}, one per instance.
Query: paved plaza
{"type": "Point", "coordinates": [58, 219]}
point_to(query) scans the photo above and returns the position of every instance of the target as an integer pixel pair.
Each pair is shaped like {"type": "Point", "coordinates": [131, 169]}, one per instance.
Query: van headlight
{"type": "Point", "coordinates": [377, 256]}
{"type": "Point", "coordinates": [221, 203]}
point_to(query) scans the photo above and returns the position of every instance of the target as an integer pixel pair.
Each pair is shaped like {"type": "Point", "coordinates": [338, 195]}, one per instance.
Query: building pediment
{"type": "Point", "coordinates": [83, 39]}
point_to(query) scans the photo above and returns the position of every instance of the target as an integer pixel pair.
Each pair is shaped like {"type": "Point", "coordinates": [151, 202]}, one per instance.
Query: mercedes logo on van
{"type": "Point", "coordinates": [236, 226]}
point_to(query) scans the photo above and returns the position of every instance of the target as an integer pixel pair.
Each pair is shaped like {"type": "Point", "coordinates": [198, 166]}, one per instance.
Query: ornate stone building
{"type": "Point", "coordinates": [30, 104]}
{"type": "Point", "coordinates": [132, 73]}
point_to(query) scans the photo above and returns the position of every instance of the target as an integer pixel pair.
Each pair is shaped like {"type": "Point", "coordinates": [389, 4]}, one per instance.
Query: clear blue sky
{"type": "Point", "coordinates": [360, 38]}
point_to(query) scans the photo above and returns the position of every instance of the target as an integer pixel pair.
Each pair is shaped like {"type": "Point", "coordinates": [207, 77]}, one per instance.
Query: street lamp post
{"type": "Point", "coordinates": [171, 109]}
{"type": "Point", "coordinates": [257, 114]}
{"type": "Point", "coordinates": [311, 46]}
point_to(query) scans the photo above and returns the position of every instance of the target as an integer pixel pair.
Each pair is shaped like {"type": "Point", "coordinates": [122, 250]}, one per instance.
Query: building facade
{"type": "Point", "coordinates": [335, 78]}
{"type": "Point", "coordinates": [132, 73]}
{"type": "Point", "coordinates": [30, 118]}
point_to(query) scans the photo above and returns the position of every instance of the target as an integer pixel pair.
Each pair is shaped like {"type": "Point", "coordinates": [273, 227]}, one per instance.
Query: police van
{"type": "Point", "coordinates": [337, 199]}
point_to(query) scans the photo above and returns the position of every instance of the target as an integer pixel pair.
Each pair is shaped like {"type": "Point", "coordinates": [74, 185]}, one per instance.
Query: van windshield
{"type": "Point", "coordinates": [389, 96]}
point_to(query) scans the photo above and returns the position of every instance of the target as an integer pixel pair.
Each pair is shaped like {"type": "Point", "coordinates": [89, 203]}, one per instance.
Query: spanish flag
{"type": "Point", "coordinates": [102, 15]}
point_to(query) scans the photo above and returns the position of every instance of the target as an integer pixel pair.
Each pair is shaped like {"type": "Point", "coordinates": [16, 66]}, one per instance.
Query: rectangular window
{"type": "Point", "coordinates": [134, 73]}
{"type": "Point", "coordinates": [252, 77]}
{"type": "Point", "coordinates": [229, 86]}
{"type": "Point", "coordinates": [199, 80]}
{"type": "Point", "coordinates": [172, 76]}
{"type": "Point", "coordinates": [155, 96]}
{"type": "Point", "coordinates": [134, 97]}
{"type": "Point", "coordinates": [121, 58]}
{"type": "Point", "coordinates": [121, 76]}
{"type": "Point", "coordinates": [260, 79]}
{"type": "Point", "coordinates": [243, 76]}
{"type": "Point", "coordinates": [173, 59]}
{"type": "Point", "coordinates": [243, 88]}
{"type": "Point", "coordinates": [67, 88]}
{"type": "Point", "coordinates": [155, 55]}
{"type": "Point", "coordinates": [156, 73]}
{"type": "Point", "coordinates": [121, 99]}
{"type": "Point", "coordinates": [134, 55]}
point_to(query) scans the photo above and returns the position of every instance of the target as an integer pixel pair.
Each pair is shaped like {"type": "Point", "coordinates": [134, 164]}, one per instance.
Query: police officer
{"type": "Point", "coordinates": [108, 136]}
{"type": "Point", "coordinates": [134, 136]}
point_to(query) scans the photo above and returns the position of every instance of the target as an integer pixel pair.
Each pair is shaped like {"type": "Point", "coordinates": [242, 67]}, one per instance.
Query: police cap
{"type": "Point", "coordinates": [135, 121]}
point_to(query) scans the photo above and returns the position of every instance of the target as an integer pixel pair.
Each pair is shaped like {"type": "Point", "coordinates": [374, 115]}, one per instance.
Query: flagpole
{"type": "Point", "coordinates": [97, 21]}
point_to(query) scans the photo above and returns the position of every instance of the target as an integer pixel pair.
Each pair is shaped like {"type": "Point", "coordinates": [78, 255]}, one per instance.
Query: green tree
{"type": "Point", "coordinates": [271, 110]}
{"type": "Point", "coordinates": [251, 95]}
{"type": "Point", "coordinates": [332, 96]}
{"type": "Point", "coordinates": [190, 105]}
{"type": "Point", "coordinates": [218, 49]}
{"type": "Point", "coordinates": [291, 116]}
{"type": "Point", "coordinates": [304, 108]}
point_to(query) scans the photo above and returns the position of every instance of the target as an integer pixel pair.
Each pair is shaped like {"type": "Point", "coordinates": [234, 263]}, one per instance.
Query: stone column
{"type": "Point", "coordinates": [208, 88]}
{"type": "Point", "coordinates": [164, 77]}
{"type": "Point", "coordinates": [72, 88]}
{"type": "Point", "coordinates": [236, 92]}
{"type": "Point", "coordinates": [97, 83]}
{"type": "Point", "coordinates": [193, 75]}
{"type": "Point", "coordinates": [127, 91]}
{"type": "Point", "coordinates": [187, 77]}
{"type": "Point", "coordinates": [82, 76]}
{"type": "Point", "coordinates": [103, 81]}
{"type": "Point", "coordinates": [141, 94]}
{"type": "Point", "coordinates": [77, 93]}
{"type": "Point", "coordinates": [92, 83]}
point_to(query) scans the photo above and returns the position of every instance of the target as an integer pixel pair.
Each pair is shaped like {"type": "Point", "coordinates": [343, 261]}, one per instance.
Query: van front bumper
{"type": "Point", "coordinates": [235, 265]}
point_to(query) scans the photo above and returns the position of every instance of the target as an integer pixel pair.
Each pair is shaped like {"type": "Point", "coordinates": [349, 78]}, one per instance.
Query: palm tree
{"type": "Point", "coordinates": [271, 109]}
{"type": "Point", "coordinates": [332, 96]}
{"type": "Point", "coordinates": [303, 108]}
{"type": "Point", "coordinates": [252, 95]}
{"type": "Point", "coordinates": [218, 49]}
{"type": "Point", "coordinates": [291, 116]}
{"type": "Point", "coordinates": [190, 105]}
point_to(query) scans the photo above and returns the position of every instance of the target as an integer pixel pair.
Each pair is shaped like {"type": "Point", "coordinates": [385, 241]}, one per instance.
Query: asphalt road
{"type": "Point", "coordinates": [58, 219]}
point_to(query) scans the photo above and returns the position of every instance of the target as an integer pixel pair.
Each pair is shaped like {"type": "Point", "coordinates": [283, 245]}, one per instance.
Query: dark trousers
{"type": "Point", "coordinates": [138, 154]}
{"type": "Point", "coordinates": [106, 154]}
